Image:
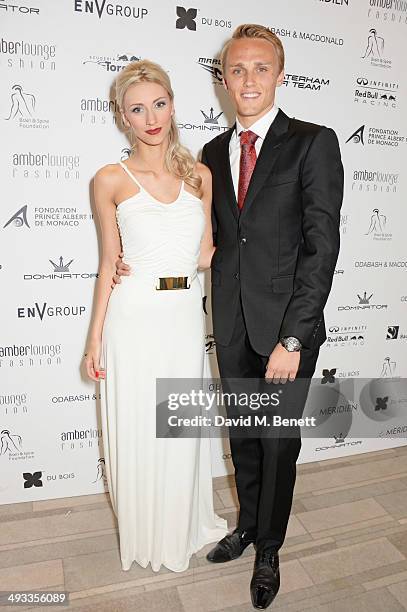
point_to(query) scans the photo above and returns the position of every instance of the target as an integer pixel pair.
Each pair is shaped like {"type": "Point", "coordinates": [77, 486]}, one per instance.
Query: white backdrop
{"type": "Point", "coordinates": [58, 60]}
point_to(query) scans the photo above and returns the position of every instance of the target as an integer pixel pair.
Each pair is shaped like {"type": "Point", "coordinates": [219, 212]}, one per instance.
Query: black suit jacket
{"type": "Point", "coordinates": [280, 251]}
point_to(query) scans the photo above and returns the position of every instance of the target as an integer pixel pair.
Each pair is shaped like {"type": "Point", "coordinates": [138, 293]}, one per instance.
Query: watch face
{"type": "Point", "coordinates": [291, 343]}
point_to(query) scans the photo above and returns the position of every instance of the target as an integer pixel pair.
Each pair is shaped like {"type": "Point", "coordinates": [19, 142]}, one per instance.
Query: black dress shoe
{"type": "Point", "coordinates": [231, 546]}
{"type": "Point", "coordinates": [266, 579]}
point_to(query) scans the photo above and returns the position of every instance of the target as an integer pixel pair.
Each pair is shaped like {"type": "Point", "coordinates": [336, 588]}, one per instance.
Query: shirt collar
{"type": "Point", "coordinates": [261, 126]}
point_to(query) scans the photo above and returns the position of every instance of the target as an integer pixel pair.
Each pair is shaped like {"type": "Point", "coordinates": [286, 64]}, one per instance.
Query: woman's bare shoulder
{"type": "Point", "coordinates": [203, 171]}
{"type": "Point", "coordinates": [108, 175]}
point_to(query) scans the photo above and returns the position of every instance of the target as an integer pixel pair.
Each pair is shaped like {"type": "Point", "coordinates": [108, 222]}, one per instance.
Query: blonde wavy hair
{"type": "Point", "coordinates": [178, 159]}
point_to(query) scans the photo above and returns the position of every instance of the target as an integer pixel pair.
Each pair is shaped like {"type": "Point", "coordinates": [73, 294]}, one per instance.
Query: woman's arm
{"type": "Point", "coordinates": [207, 247]}
{"type": "Point", "coordinates": [104, 188]}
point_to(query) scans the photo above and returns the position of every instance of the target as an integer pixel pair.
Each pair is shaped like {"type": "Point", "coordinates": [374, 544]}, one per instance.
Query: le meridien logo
{"type": "Point", "coordinates": [101, 7]}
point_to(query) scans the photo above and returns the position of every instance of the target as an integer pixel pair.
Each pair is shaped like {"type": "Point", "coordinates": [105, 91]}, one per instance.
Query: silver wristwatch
{"type": "Point", "coordinates": [291, 343]}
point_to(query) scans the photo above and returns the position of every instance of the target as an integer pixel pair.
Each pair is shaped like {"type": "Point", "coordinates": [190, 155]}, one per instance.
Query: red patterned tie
{"type": "Point", "coordinates": [247, 162]}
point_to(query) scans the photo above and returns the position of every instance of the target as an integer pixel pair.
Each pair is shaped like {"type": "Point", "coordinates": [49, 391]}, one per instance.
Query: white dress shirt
{"type": "Point", "coordinates": [260, 127]}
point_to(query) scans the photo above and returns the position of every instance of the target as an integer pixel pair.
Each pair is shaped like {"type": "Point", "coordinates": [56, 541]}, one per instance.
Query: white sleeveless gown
{"type": "Point", "coordinates": [160, 489]}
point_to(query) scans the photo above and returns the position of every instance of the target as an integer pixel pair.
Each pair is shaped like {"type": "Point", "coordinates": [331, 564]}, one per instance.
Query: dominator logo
{"type": "Point", "coordinates": [364, 303]}
{"type": "Point", "coordinates": [61, 271]}
{"type": "Point", "coordinates": [186, 18]}
{"type": "Point", "coordinates": [211, 118]}
{"type": "Point", "coordinates": [365, 299]}
{"type": "Point", "coordinates": [61, 266]}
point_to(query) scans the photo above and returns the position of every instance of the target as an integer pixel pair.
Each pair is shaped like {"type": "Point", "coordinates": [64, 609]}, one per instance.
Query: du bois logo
{"type": "Point", "coordinates": [189, 18]}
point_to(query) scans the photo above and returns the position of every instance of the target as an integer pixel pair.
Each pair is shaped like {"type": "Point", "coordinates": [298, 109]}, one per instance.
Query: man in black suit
{"type": "Point", "coordinates": [277, 193]}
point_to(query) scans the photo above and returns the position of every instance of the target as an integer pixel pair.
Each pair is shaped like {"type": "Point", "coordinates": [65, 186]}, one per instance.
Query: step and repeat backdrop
{"type": "Point", "coordinates": [345, 68]}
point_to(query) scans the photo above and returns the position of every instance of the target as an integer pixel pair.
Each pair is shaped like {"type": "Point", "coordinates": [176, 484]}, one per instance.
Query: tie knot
{"type": "Point", "coordinates": [248, 137]}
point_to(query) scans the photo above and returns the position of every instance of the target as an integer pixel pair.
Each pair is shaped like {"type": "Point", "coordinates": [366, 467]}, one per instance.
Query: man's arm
{"type": "Point", "coordinates": [322, 193]}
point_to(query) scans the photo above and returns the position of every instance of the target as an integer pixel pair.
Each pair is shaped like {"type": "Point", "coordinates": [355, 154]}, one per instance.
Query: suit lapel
{"type": "Point", "coordinates": [269, 153]}
{"type": "Point", "coordinates": [225, 171]}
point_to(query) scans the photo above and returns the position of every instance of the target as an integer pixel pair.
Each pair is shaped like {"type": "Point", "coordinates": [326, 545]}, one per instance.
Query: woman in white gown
{"type": "Point", "coordinates": [156, 208]}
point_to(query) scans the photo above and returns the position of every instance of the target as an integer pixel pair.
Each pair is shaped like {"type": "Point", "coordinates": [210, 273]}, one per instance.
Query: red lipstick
{"type": "Point", "coordinates": [154, 132]}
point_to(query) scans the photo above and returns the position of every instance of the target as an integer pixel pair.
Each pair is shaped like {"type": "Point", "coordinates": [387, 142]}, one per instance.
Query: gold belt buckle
{"type": "Point", "coordinates": [173, 282]}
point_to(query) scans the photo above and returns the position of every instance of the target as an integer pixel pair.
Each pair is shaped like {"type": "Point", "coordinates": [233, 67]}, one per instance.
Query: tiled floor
{"type": "Point", "coordinates": [345, 551]}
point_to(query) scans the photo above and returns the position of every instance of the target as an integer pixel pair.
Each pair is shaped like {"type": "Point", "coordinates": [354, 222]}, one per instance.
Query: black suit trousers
{"type": "Point", "coordinates": [265, 466]}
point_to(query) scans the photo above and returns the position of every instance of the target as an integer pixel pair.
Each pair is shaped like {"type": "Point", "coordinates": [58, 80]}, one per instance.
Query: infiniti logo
{"type": "Point", "coordinates": [362, 81]}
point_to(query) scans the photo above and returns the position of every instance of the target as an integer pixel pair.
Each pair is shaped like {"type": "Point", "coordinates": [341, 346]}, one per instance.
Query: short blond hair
{"type": "Point", "coordinates": [252, 30]}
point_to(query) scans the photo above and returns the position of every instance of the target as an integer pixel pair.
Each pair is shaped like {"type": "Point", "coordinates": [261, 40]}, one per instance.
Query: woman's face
{"type": "Point", "coordinates": [147, 110]}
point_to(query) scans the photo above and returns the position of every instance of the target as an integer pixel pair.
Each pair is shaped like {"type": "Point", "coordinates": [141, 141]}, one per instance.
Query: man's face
{"type": "Point", "coordinates": [251, 76]}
